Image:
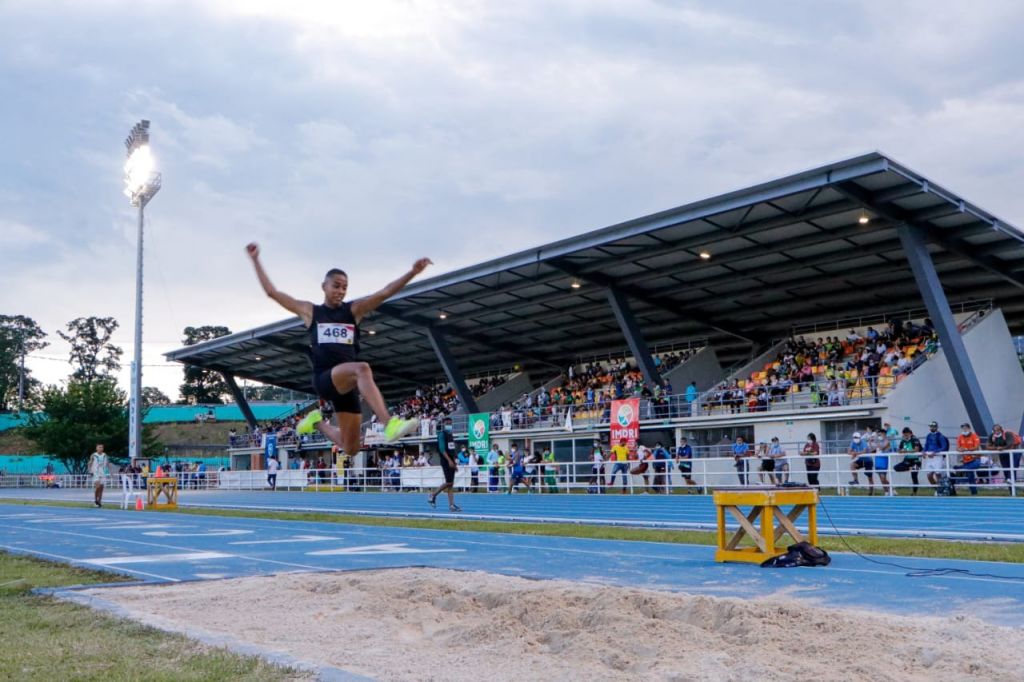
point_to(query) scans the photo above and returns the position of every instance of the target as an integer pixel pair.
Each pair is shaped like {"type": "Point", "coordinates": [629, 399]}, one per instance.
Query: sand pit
{"type": "Point", "coordinates": [429, 624]}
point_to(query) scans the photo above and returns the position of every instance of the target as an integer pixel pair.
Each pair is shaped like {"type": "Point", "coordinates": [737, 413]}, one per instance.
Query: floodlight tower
{"type": "Point", "coordinates": [142, 183]}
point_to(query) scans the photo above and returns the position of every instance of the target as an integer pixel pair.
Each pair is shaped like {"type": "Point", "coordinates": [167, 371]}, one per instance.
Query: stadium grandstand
{"type": "Point", "coordinates": [825, 302]}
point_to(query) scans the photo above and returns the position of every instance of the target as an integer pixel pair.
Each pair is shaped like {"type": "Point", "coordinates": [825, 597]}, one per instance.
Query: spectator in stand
{"type": "Point", "coordinates": [492, 468]}
{"type": "Point", "coordinates": [740, 455]}
{"type": "Point", "coordinates": [692, 393]}
{"type": "Point", "coordinates": [812, 452]}
{"type": "Point", "coordinates": [517, 475]}
{"type": "Point", "coordinates": [597, 468]}
{"type": "Point", "coordinates": [935, 447]}
{"type": "Point", "coordinates": [661, 463]}
{"type": "Point", "coordinates": [684, 461]}
{"type": "Point", "coordinates": [1003, 442]}
{"type": "Point", "coordinates": [910, 448]}
{"type": "Point", "coordinates": [474, 470]}
{"type": "Point", "coordinates": [967, 445]}
{"type": "Point", "coordinates": [766, 465]}
{"type": "Point", "coordinates": [620, 455]}
{"type": "Point", "coordinates": [860, 458]}
{"type": "Point", "coordinates": [892, 435]}
{"type": "Point", "coordinates": [643, 467]}
{"type": "Point", "coordinates": [422, 460]}
{"type": "Point", "coordinates": [781, 464]}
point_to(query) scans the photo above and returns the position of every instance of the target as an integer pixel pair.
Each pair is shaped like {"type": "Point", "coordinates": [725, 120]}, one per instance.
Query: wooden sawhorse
{"type": "Point", "coordinates": [165, 486]}
{"type": "Point", "coordinates": [766, 503]}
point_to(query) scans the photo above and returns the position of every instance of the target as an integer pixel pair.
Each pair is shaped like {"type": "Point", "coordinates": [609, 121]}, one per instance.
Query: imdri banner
{"type": "Point", "coordinates": [625, 422]}
{"type": "Point", "coordinates": [269, 448]}
{"type": "Point", "coordinates": [479, 432]}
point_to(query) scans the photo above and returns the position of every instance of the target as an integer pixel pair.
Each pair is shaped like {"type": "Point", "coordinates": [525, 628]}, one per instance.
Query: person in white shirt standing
{"type": "Point", "coordinates": [99, 468]}
{"type": "Point", "coordinates": [272, 466]}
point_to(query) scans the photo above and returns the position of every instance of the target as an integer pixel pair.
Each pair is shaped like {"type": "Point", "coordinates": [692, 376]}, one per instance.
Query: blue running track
{"type": "Point", "coordinates": [950, 518]}
{"type": "Point", "coordinates": [170, 547]}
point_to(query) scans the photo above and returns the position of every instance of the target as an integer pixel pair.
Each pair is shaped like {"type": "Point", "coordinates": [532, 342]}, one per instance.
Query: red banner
{"type": "Point", "coordinates": [625, 422]}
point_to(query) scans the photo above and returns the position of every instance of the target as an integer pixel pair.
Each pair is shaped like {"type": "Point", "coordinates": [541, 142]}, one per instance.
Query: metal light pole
{"type": "Point", "coordinates": [141, 184]}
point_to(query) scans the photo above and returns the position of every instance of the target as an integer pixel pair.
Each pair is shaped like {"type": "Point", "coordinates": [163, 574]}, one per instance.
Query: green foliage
{"type": "Point", "coordinates": [203, 385]}
{"type": "Point", "coordinates": [151, 395]}
{"type": "Point", "coordinates": [18, 335]}
{"type": "Point", "coordinates": [79, 416]}
{"type": "Point", "coordinates": [93, 355]}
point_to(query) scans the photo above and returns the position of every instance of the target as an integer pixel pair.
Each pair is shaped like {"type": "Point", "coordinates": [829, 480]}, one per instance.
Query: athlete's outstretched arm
{"type": "Point", "coordinates": [303, 309]}
{"type": "Point", "coordinates": [367, 304]}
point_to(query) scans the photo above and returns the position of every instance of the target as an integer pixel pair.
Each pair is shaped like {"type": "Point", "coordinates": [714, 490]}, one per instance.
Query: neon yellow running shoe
{"type": "Point", "coordinates": [308, 423]}
{"type": "Point", "coordinates": [399, 428]}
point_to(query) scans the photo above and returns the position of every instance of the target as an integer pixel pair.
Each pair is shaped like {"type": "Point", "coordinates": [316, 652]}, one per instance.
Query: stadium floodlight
{"type": "Point", "coordinates": [863, 218]}
{"type": "Point", "coordinates": [705, 255]}
{"type": "Point", "coordinates": [142, 182]}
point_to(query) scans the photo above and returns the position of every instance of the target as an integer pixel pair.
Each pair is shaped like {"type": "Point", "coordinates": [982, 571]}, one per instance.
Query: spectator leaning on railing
{"type": "Point", "coordinates": [1003, 441]}
{"type": "Point", "coordinates": [935, 447]}
{"type": "Point", "coordinates": [812, 452]}
{"type": "Point", "coordinates": [910, 448]}
{"type": "Point", "coordinates": [967, 444]}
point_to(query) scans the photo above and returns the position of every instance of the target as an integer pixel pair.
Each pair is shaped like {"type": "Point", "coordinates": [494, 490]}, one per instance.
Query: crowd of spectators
{"type": "Point", "coordinates": [831, 369]}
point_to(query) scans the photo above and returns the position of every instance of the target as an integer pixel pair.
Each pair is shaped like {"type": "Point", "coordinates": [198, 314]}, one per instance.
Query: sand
{"type": "Point", "coordinates": [432, 624]}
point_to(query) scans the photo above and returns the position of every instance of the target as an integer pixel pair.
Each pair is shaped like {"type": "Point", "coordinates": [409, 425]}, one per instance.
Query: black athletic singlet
{"type": "Point", "coordinates": [333, 336]}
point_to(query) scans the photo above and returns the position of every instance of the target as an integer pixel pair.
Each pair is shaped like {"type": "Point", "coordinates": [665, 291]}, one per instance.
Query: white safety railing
{"type": "Point", "coordinates": [890, 473]}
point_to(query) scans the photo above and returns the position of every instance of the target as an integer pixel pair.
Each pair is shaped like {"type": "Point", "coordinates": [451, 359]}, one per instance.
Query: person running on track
{"type": "Point", "coordinates": [338, 375]}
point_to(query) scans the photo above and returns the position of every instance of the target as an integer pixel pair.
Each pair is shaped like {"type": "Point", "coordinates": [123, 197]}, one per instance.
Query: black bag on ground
{"type": "Point", "coordinates": [946, 487]}
{"type": "Point", "coordinates": [800, 554]}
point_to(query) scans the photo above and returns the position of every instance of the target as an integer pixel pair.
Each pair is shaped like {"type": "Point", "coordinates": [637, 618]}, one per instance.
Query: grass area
{"type": "Point", "coordinates": [48, 639]}
{"type": "Point", "coordinates": [911, 547]}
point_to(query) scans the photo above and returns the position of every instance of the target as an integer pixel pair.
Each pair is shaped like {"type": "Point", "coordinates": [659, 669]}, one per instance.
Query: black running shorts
{"type": "Point", "coordinates": [342, 402]}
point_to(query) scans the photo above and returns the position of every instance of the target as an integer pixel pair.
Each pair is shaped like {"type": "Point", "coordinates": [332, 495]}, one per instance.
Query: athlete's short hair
{"type": "Point", "coordinates": [335, 271]}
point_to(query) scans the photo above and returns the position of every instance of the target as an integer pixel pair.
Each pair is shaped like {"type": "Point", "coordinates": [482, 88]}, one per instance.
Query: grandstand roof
{"type": "Point", "coordinates": [783, 254]}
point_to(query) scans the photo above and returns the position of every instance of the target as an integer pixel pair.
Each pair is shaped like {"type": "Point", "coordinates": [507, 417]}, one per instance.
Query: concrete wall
{"type": "Point", "coordinates": [517, 385]}
{"type": "Point", "coordinates": [930, 392]}
{"type": "Point", "coordinates": [758, 363]}
{"type": "Point", "coordinates": [703, 368]}
{"type": "Point", "coordinates": [787, 431]}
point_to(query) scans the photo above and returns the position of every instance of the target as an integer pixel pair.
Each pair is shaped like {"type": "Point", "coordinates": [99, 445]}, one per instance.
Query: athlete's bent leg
{"type": "Point", "coordinates": [349, 375]}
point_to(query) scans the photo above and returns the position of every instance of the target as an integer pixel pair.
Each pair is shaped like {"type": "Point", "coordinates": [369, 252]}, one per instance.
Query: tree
{"type": "Point", "coordinates": [19, 336]}
{"type": "Point", "coordinates": [203, 385]}
{"type": "Point", "coordinates": [79, 416]}
{"type": "Point", "coordinates": [151, 395]}
{"type": "Point", "coordinates": [92, 353]}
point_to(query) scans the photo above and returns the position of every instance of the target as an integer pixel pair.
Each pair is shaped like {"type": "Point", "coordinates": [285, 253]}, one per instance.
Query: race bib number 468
{"type": "Point", "coordinates": [336, 332]}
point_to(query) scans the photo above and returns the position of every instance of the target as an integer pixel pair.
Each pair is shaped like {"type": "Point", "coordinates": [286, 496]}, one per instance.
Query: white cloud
{"type": "Point", "coordinates": [367, 134]}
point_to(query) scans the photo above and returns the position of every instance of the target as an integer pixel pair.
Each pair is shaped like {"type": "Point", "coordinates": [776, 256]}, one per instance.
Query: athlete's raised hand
{"type": "Point", "coordinates": [253, 249]}
{"type": "Point", "coordinates": [421, 265]}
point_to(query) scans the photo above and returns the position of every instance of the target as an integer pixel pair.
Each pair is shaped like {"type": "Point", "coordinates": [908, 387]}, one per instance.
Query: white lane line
{"type": "Point", "coordinates": [204, 534]}
{"type": "Point", "coordinates": [133, 525]}
{"type": "Point", "coordinates": [157, 558]}
{"type": "Point", "coordinates": [69, 520]}
{"type": "Point", "coordinates": [164, 545]}
{"type": "Point", "coordinates": [77, 562]}
{"type": "Point", "coordinates": [297, 538]}
{"type": "Point", "coordinates": [380, 549]}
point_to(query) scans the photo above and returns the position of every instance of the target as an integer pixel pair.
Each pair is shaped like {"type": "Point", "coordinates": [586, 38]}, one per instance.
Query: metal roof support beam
{"type": "Point", "coordinates": [451, 369]}
{"type": "Point", "coordinates": [915, 244]}
{"type": "Point", "coordinates": [656, 302]}
{"type": "Point", "coordinates": [240, 400]}
{"type": "Point", "coordinates": [634, 338]}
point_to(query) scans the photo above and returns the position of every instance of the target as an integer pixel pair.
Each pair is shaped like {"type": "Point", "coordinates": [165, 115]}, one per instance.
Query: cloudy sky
{"type": "Point", "coordinates": [366, 134]}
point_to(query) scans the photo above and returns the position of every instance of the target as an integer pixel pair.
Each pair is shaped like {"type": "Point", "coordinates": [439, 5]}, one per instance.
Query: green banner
{"type": "Point", "coordinates": [479, 430]}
